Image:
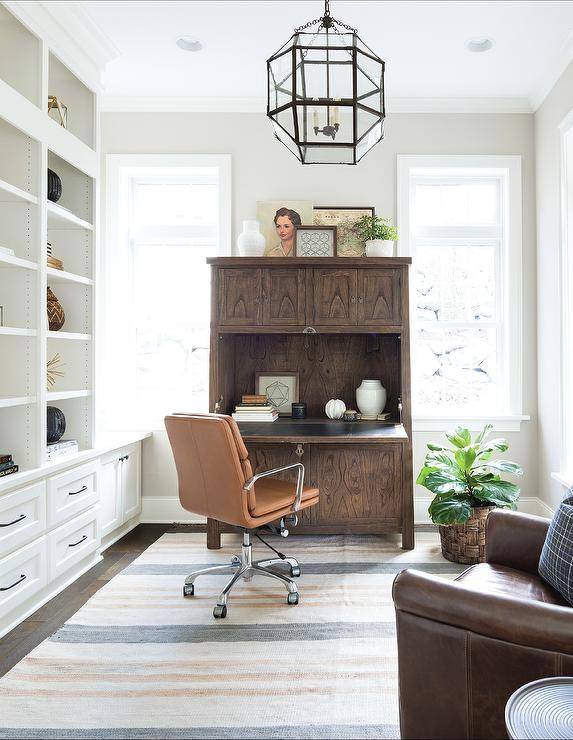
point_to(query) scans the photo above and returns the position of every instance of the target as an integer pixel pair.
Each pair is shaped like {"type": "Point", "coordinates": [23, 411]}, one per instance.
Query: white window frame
{"type": "Point", "coordinates": [118, 167]}
{"type": "Point", "coordinates": [565, 473]}
{"type": "Point", "coordinates": [509, 168]}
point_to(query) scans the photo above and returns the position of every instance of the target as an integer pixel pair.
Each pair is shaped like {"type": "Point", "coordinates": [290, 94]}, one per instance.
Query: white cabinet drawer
{"type": "Point", "coordinates": [22, 517]}
{"type": "Point", "coordinates": [22, 575]}
{"type": "Point", "coordinates": [72, 542]}
{"type": "Point", "coordinates": [72, 492]}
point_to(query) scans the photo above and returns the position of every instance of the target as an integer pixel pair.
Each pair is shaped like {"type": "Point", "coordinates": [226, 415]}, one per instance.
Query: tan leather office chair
{"type": "Point", "coordinates": [216, 480]}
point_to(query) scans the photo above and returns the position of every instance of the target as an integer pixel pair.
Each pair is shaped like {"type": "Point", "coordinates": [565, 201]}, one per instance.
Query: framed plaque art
{"type": "Point", "coordinates": [315, 241]}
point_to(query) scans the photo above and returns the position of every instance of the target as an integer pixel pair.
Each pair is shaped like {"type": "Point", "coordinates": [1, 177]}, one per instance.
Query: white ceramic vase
{"type": "Point", "coordinates": [250, 242]}
{"type": "Point", "coordinates": [371, 397]}
{"type": "Point", "coordinates": [379, 248]}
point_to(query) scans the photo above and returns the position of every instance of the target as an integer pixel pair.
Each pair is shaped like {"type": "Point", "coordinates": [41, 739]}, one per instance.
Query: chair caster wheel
{"type": "Point", "coordinates": [292, 598]}
{"type": "Point", "coordinates": [295, 572]}
{"type": "Point", "coordinates": [188, 589]}
{"type": "Point", "coordinates": [220, 611]}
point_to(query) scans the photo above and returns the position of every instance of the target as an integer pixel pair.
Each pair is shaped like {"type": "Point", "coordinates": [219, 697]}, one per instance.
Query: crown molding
{"type": "Point", "coordinates": [158, 104]}
{"type": "Point", "coordinates": [70, 33]}
{"type": "Point", "coordinates": [552, 74]}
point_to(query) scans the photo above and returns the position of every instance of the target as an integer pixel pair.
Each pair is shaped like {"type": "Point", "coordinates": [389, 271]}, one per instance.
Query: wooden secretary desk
{"type": "Point", "coordinates": [334, 321]}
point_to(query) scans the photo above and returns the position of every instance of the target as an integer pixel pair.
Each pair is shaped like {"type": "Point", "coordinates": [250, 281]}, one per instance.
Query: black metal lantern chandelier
{"type": "Point", "coordinates": [326, 93]}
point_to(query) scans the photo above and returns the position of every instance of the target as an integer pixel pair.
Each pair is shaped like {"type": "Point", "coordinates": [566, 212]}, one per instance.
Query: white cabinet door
{"type": "Point", "coordinates": [131, 472]}
{"type": "Point", "coordinates": [110, 491]}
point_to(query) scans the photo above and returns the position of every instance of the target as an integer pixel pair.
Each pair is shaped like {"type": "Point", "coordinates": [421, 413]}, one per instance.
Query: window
{"type": "Point", "coordinates": [460, 220]}
{"type": "Point", "coordinates": [166, 219]}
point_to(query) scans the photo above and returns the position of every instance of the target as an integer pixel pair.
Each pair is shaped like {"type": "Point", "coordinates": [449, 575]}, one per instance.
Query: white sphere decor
{"type": "Point", "coordinates": [335, 408]}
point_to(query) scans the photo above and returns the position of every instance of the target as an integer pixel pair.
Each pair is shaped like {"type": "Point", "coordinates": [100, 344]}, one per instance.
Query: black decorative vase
{"type": "Point", "coordinates": [54, 186]}
{"type": "Point", "coordinates": [55, 424]}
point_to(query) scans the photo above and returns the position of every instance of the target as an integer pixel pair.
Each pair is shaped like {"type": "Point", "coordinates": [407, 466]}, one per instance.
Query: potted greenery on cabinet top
{"type": "Point", "coordinates": [378, 236]}
{"type": "Point", "coordinates": [467, 484]}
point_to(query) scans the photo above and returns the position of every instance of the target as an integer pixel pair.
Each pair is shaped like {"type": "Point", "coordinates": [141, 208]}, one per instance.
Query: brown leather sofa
{"type": "Point", "coordinates": [465, 645]}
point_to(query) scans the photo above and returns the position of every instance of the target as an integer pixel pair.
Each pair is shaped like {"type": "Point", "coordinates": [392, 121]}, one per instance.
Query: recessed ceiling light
{"type": "Point", "coordinates": [188, 43]}
{"type": "Point", "coordinates": [481, 43]}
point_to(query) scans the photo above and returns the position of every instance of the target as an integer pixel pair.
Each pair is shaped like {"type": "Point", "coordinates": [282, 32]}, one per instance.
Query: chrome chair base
{"type": "Point", "coordinates": [243, 568]}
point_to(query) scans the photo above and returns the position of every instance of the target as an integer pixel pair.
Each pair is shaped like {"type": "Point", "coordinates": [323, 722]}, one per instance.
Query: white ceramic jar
{"type": "Point", "coordinates": [250, 242]}
{"type": "Point", "coordinates": [380, 248]}
{"type": "Point", "coordinates": [371, 397]}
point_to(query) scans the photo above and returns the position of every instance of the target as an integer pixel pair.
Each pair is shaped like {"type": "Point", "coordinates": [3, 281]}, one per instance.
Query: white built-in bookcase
{"type": "Point", "coordinates": [30, 142]}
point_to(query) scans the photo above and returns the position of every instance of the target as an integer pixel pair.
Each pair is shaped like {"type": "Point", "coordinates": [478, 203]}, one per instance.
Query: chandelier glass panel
{"type": "Point", "coordinates": [326, 94]}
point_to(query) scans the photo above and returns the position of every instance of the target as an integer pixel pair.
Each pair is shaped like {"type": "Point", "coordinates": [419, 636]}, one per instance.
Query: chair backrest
{"type": "Point", "coordinates": [212, 466]}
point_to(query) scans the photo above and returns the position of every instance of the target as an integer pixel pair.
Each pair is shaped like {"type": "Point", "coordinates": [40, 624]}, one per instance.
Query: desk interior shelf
{"type": "Point", "coordinates": [321, 431]}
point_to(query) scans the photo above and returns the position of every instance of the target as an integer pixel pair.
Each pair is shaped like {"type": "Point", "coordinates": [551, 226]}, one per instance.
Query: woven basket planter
{"type": "Point", "coordinates": [465, 543]}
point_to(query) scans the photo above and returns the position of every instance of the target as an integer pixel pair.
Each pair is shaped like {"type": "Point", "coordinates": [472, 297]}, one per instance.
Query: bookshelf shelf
{"type": "Point", "coordinates": [10, 401]}
{"type": "Point", "coordinates": [63, 395]}
{"type": "Point", "coordinates": [61, 276]}
{"type": "Point", "coordinates": [9, 260]}
{"type": "Point", "coordinates": [60, 218]}
{"type": "Point", "coordinates": [71, 335]}
{"type": "Point", "coordinates": [14, 331]}
{"type": "Point", "coordinates": [9, 193]}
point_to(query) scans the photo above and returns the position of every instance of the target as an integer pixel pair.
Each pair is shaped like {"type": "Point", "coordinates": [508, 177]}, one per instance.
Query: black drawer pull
{"type": "Point", "coordinates": [19, 519]}
{"type": "Point", "coordinates": [75, 493]}
{"type": "Point", "coordinates": [79, 542]}
{"type": "Point", "coordinates": [7, 588]}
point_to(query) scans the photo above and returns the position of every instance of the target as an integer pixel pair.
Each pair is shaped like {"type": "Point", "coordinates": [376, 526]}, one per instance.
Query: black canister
{"type": "Point", "coordinates": [299, 410]}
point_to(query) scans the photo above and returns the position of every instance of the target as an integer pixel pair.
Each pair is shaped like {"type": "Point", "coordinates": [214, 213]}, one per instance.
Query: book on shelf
{"type": "Point", "coordinates": [265, 416]}
{"type": "Point", "coordinates": [8, 464]}
{"type": "Point", "coordinates": [6, 458]}
{"type": "Point", "coordinates": [255, 398]}
{"type": "Point", "coordinates": [60, 449]}
{"type": "Point", "coordinates": [254, 408]}
{"type": "Point", "coordinates": [9, 470]}
{"type": "Point", "coordinates": [55, 263]}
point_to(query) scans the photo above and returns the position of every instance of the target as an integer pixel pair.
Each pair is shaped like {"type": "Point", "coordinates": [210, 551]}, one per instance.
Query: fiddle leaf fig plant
{"type": "Point", "coordinates": [464, 475]}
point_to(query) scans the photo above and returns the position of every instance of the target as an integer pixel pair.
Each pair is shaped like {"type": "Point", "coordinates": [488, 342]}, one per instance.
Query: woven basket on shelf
{"type": "Point", "coordinates": [465, 543]}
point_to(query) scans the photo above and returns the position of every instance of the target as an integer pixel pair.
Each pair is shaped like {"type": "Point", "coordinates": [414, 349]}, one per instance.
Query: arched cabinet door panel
{"type": "Point", "coordinates": [379, 297]}
{"type": "Point", "coordinates": [335, 297]}
{"type": "Point", "coordinates": [240, 297]}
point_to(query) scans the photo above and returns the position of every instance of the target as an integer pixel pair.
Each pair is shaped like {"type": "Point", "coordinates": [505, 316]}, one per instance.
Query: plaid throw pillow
{"type": "Point", "coordinates": [556, 561]}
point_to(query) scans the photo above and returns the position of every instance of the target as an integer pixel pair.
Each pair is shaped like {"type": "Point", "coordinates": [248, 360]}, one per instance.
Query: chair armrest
{"type": "Point", "coordinates": [299, 481]}
{"type": "Point", "coordinates": [533, 624]}
{"type": "Point", "coordinates": [515, 539]}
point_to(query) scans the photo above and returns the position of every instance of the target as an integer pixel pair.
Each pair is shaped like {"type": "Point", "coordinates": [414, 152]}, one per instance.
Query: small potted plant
{"type": "Point", "coordinates": [467, 485]}
{"type": "Point", "coordinates": [378, 235]}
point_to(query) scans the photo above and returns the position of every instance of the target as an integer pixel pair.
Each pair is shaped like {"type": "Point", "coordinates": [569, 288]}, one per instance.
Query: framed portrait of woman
{"type": "Point", "coordinates": [278, 220]}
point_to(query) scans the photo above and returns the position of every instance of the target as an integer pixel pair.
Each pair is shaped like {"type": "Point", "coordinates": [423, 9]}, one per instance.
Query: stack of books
{"type": "Point", "coordinates": [7, 466]}
{"type": "Point", "coordinates": [62, 448]}
{"type": "Point", "coordinates": [55, 262]}
{"type": "Point", "coordinates": [255, 408]}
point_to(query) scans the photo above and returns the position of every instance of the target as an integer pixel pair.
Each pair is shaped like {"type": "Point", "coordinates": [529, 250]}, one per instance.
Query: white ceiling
{"type": "Point", "coordinates": [422, 42]}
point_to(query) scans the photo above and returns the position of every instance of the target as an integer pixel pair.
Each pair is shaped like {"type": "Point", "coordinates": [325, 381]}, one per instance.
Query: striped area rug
{"type": "Point", "coordinates": [140, 661]}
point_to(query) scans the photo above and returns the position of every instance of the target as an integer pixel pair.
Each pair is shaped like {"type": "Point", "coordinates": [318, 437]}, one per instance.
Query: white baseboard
{"type": "Point", "coordinates": [168, 510]}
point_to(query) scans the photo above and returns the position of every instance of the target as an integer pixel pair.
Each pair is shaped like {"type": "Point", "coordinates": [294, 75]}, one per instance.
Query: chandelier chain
{"type": "Point", "coordinates": [335, 22]}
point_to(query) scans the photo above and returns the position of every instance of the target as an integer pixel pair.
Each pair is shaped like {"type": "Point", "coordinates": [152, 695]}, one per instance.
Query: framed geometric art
{"type": "Point", "coordinates": [315, 241]}
{"type": "Point", "coordinates": [281, 389]}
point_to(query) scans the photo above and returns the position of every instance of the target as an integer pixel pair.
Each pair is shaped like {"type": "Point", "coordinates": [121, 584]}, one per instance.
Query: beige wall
{"type": "Point", "coordinates": [547, 154]}
{"type": "Point", "coordinates": [264, 169]}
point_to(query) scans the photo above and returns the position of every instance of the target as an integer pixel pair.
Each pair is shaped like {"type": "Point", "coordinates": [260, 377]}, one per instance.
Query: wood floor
{"type": "Point", "coordinates": [49, 618]}
{"type": "Point", "coordinates": [44, 622]}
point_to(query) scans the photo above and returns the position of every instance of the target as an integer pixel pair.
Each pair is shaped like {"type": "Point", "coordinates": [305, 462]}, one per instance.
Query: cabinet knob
{"type": "Point", "coordinates": [352, 299]}
{"type": "Point", "coordinates": [360, 299]}
{"type": "Point", "coordinates": [309, 330]}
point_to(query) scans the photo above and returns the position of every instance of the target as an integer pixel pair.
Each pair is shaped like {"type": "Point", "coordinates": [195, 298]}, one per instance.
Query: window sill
{"type": "Point", "coordinates": [566, 479]}
{"type": "Point", "coordinates": [473, 423]}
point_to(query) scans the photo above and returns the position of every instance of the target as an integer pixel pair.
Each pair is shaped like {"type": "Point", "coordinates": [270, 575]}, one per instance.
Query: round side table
{"type": "Point", "coordinates": [541, 709]}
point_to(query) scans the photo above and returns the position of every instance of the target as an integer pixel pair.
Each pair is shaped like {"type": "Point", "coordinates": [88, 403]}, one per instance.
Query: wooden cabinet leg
{"type": "Point", "coordinates": [408, 536]}
{"type": "Point", "coordinates": [213, 535]}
